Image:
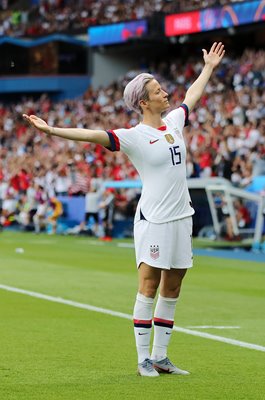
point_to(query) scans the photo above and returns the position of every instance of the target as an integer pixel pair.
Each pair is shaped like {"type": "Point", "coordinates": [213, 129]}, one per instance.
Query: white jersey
{"type": "Point", "coordinates": [92, 200]}
{"type": "Point", "coordinates": [159, 155]}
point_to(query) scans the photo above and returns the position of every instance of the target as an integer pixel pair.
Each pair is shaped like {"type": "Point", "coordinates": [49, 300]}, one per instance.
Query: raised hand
{"type": "Point", "coordinates": [38, 123]}
{"type": "Point", "coordinates": [215, 54]}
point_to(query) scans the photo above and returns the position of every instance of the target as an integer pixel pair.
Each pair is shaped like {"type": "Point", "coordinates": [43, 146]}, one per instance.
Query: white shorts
{"type": "Point", "coordinates": [165, 246]}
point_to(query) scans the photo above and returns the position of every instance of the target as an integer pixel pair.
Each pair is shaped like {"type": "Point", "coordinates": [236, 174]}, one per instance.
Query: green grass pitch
{"type": "Point", "coordinates": [55, 351]}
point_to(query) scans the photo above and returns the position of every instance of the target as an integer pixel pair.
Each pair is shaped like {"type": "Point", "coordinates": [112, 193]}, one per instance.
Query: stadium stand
{"type": "Point", "coordinates": [44, 17]}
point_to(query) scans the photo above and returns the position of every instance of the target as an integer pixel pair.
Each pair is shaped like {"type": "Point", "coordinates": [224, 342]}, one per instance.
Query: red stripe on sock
{"type": "Point", "coordinates": [142, 321]}
{"type": "Point", "coordinates": [164, 321]}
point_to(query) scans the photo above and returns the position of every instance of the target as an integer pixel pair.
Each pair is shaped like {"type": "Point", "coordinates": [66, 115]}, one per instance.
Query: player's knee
{"type": "Point", "coordinates": [148, 287]}
{"type": "Point", "coordinates": [148, 292]}
{"type": "Point", "coordinates": [170, 289]}
{"type": "Point", "coordinates": [171, 292]}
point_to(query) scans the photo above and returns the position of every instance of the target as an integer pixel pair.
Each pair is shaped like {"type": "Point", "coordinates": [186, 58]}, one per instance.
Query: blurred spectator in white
{"type": "Point", "coordinates": [107, 213]}
{"type": "Point", "coordinates": [62, 182]}
{"type": "Point", "coordinates": [9, 208]}
{"type": "Point", "coordinates": [23, 211]}
{"type": "Point", "coordinates": [92, 208]}
{"type": "Point", "coordinates": [3, 192]}
{"type": "Point", "coordinates": [39, 218]}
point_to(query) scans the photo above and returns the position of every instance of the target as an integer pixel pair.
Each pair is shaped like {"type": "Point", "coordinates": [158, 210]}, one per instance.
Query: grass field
{"type": "Point", "coordinates": [56, 351]}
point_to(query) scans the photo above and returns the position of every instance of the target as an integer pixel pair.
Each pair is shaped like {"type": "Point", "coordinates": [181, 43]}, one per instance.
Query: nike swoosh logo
{"type": "Point", "coordinates": [142, 334]}
{"type": "Point", "coordinates": [168, 333]}
{"type": "Point", "coordinates": [153, 141]}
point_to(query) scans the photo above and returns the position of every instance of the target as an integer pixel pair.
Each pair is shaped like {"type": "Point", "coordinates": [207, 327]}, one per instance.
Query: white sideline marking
{"type": "Point", "coordinates": [213, 327]}
{"type": "Point", "coordinates": [97, 243]}
{"type": "Point", "coordinates": [123, 244]}
{"type": "Point", "coordinates": [127, 316]}
{"type": "Point", "coordinates": [94, 243]}
{"type": "Point", "coordinates": [64, 301]}
{"type": "Point", "coordinates": [42, 241]}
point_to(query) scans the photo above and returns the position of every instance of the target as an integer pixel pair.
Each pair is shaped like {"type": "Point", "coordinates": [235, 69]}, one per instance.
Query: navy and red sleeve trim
{"type": "Point", "coordinates": [186, 110]}
{"type": "Point", "coordinates": [114, 141]}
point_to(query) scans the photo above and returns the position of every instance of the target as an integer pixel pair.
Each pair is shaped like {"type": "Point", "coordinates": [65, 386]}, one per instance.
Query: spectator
{"type": "Point", "coordinates": [9, 208]}
{"type": "Point", "coordinates": [62, 182]}
{"type": "Point", "coordinates": [39, 218]}
{"type": "Point", "coordinates": [23, 212]}
{"type": "Point", "coordinates": [243, 220]}
{"type": "Point", "coordinates": [92, 207]}
{"type": "Point", "coordinates": [107, 212]}
{"type": "Point", "coordinates": [54, 211]}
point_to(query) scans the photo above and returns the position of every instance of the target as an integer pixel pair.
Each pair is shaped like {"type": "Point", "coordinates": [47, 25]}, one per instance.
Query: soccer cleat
{"type": "Point", "coordinates": [146, 368]}
{"type": "Point", "coordinates": [167, 367]}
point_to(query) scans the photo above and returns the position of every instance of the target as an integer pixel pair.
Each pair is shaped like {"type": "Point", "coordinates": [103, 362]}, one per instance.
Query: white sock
{"type": "Point", "coordinates": [163, 326]}
{"type": "Point", "coordinates": [142, 319]}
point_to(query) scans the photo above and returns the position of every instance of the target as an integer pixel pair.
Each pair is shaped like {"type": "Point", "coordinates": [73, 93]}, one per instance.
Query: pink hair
{"type": "Point", "coordinates": [135, 91]}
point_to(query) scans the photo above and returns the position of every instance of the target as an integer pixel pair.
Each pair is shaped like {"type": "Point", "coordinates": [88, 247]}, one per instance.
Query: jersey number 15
{"type": "Point", "coordinates": [175, 155]}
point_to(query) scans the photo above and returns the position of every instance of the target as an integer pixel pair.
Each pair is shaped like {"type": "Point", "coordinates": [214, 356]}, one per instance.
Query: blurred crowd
{"type": "Point", "coordinates": [225, 137]}
{"type": "Point", "coordinates": [42, 17]}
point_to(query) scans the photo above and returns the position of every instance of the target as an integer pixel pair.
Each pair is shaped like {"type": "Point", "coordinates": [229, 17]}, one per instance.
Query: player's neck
{"type": "Point", "coordinates": [155, 121]}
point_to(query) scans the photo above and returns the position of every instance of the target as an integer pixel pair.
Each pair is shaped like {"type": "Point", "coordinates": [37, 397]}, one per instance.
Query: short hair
{"type": "Point", "coordinates": [136, 90]}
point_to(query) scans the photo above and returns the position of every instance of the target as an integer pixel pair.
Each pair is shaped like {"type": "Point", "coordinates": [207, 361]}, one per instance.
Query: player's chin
{"type": "Point", "coordinates": [166, 106]}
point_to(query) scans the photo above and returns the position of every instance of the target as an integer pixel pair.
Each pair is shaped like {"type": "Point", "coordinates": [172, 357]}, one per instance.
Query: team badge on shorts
{"type": "Point", "coordinates": [169, 138]}
{"type": "Point", "coordinates": [154, 252]}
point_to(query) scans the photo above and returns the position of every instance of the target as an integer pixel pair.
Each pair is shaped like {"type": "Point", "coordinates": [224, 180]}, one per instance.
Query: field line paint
{"type": "Point", "coordinates": [65, 301]}
{"type": "Point", "coordinates": [128, 316]}
{"type": "Point", "coordinates": [213, 327]}
{"type": "Point", "coordinates": [42, 241]}
{"type": "Point", "coordinates": [94, 243]}
{"type": "Point", "coordinates": [126, 245]}
{"type": "Point", "coordinates": [220, 339]}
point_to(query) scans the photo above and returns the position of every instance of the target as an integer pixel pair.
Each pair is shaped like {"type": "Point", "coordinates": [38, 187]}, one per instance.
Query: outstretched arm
{"type": "Point", "coordinates": [211, 59]}
{"type": "Point", "coordinates": [85, 135]}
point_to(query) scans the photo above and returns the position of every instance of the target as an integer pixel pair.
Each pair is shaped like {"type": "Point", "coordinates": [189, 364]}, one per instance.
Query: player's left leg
{"type": "Point", "coordinates": [170, 285]}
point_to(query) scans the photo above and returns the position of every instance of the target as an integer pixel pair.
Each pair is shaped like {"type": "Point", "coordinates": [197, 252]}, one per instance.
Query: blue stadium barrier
{"type": "Point", "coordinates": [45, 39]}
{"type": "Point", "coordinates": [128, 184]}
{"type": "Point", "coordinates": [74, 210]}
{"type": "Point", "coordinates": [74, 213]}
{"type": "Point", "coordinates": [257, 184]}
{"type": "Point", "coordinates": [62, 86]}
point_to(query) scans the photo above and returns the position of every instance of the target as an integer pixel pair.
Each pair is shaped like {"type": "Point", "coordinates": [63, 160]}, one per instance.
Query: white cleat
{"type": "Point", "coordinates": [167, 367]}
{"type": "Point", "coordinates": [146, 368]}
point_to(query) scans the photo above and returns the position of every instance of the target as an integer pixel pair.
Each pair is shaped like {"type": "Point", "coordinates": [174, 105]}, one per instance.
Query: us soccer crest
{"type": "Point", "coordinates": [169, 138]}
{"type": "Point", "coordinates": [177, 132]}
{"type": "Point", "coordinates": [154, 252]}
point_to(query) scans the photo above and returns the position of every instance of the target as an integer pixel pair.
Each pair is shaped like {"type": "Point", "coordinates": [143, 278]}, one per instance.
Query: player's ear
{"type": "Point", "coordinates": [142, 104]}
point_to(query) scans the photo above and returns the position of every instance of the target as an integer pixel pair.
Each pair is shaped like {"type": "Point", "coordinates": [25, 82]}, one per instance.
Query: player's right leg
{"type": "Point", "coordinates": [149, 279]}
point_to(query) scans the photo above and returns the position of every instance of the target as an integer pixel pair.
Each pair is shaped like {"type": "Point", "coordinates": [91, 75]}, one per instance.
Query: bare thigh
{"type": "Point", "coordinates": [149, 279]}
{"type": "Point", "coordinates": [171, 281]}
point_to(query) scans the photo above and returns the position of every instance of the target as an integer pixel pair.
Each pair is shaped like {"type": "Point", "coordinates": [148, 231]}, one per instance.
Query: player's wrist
{"type": "Point", "coordinates": [51, 130]}
{"type": "Point", "coordinates": [208, 66]}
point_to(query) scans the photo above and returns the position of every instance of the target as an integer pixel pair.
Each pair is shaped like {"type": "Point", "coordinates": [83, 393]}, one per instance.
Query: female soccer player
{"type": "Point", "coordinates": [163, 220]}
